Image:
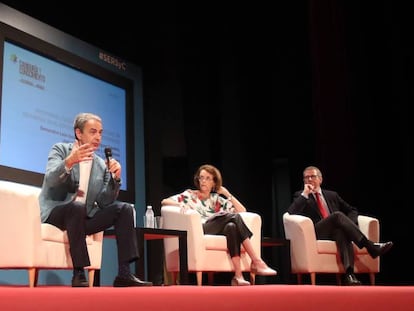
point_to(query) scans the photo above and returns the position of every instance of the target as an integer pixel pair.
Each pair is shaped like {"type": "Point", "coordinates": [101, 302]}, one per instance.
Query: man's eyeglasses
{"type": "Point", "coordinates": [206, 178]}
{"type": "Point", "coordinates": [311, 177]}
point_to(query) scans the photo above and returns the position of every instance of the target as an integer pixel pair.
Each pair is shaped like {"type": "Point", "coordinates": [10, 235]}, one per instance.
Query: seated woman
{"type": "Point", "coordinates": [219, 214]}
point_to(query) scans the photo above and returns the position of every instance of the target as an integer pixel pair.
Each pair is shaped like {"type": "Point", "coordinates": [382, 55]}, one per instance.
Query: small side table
{"type": "Point", "coordinates": [285, 269]}
{"type": "Point", "coordinates": [145, 234]}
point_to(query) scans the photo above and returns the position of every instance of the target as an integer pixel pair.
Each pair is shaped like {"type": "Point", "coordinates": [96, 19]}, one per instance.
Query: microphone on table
{"type": "Point", "coordinates": [108, 154]}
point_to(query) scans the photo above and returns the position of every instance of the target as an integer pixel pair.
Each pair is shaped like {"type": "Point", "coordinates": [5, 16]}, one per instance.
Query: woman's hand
{"type": "Point", "coordinates": [183, 208]}
{"type": "Point", "coordinates": [236, 203]}
{"type": "Point", "coordinates": [224, 192]}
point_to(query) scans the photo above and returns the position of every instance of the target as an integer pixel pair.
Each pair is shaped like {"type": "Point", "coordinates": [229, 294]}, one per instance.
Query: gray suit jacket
{"type": "Point", "coordinates": [60, 188]}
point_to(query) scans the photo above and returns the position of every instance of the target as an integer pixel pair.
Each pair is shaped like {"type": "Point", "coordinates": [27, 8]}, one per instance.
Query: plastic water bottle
{"type": "Point", "coordinates": [149, 217]}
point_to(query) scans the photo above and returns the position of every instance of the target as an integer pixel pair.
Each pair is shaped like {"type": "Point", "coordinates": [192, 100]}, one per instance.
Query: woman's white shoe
{"type": "Point", "coordinates": [262, 269]}
{"type": "Point", "coordinates": [239, 282]}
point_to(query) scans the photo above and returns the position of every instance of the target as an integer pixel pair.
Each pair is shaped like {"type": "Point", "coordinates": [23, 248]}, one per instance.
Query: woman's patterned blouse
{"type": "Point", "coordinates": [206, 208]}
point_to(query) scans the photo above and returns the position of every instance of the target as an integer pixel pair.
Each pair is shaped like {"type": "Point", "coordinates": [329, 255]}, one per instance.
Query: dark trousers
{"type": "Point", "coordinates": [232, 226]}
{"type": "Point", "coordinates": [72, 218]}
{"type": "Point", "coordinates": [340, 228]}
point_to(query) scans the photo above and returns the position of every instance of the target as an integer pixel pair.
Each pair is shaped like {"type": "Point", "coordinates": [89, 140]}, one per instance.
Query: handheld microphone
{"type": "Point", "coordinates": [108, 154]}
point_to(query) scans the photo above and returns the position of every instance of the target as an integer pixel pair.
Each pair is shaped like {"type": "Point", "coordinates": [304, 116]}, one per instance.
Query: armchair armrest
{"type": "Point", "coordinates": [300, 231]}
{"type": "Point", "coordinates": [190, 222]}
{"type": "Point", "coordinates": [370, 227]}
{"type": "Point", "coordinates": [254, 222]}
{"type": "Point", "coordinates": [20, 219]}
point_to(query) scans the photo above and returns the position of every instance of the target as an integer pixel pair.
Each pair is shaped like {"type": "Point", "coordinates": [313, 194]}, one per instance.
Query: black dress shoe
{"type": "Point", "coordinates": [79, 280]}
{"type": "Point", "coordinates": [351, 280]}
{"type": "Point", "coordinates": [384, 247]}
{"type": "Point", "coordinates": [130, 280]}
{"type": "Point", "coordinates": [381, 249]}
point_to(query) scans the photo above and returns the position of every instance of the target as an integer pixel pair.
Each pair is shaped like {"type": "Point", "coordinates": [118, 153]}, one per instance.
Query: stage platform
{"type": "Point", "coordinates": [217, 298]}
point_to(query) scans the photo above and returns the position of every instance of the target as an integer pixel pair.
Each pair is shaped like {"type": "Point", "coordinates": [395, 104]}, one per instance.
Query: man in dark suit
{"type": "Point", "coordinates": [79, 195]}
{"type": "Point", "coordinates": [334, 219]}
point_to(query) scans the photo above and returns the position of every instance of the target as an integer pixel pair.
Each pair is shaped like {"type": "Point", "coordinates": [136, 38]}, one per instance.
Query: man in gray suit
{"type": "Point", "coordinates": [79, 195]}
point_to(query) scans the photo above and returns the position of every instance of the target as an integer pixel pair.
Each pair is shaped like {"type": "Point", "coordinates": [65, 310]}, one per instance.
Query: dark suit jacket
{"type": "Point", "coordinates": [308, 207]}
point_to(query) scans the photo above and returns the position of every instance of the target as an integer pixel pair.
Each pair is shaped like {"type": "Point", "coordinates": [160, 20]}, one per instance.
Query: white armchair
{"type": "Point", "coordinates": [311, 256]}
{"type": "Point", "coordinates": [26, 243]}
{"type": "Point", "coordinates": [206, 253]}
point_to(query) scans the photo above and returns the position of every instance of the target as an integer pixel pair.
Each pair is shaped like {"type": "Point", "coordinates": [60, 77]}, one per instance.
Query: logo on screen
{"type": "Point", "coordinates": [33, 72]}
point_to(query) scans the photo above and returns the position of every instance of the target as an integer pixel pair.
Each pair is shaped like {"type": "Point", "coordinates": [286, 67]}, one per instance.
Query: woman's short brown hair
{"type": "Point", "coordinates": [211, 169]}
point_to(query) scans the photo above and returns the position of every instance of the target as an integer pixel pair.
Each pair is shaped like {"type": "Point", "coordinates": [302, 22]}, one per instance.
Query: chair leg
{"type": "Point", "coordinates": [299, 278]}
{"type": "Point", "coordinates": [91, 277]}
{"type": "Point", "coordinates": [199, 276]}
{"type": "Point", "coordinates": [33, 276]}
{"type": "Point", "coordinates": [313, 278]}
{"type": "Point", "coordinates": [176, 278]}
{"type": "Point", "coordinates": [252, 278]}
{"type": "Point", "coordinates": [372, 278]}
{"type": "Point", "coordinates": [173, 277]}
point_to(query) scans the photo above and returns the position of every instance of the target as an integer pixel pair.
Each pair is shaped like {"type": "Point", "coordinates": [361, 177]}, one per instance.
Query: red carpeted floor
{"type": "Point", "coordinates": [216, 298]}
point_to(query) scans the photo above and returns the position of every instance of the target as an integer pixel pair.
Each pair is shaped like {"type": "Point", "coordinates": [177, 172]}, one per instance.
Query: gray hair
{"type": "Point", "coordinates": [312, 168]}
{"type": "Point", "coordinates": [82, 118]}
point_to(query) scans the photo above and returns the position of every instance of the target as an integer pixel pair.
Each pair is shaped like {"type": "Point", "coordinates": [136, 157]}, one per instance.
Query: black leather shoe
{"type": "Point", "coordinates": [351, 280]}
{"type": "Point", "coordinates": [130, 280]}
{"type": "Point", "coordinates": [79, 280]}
{"type": "Point", "coordinates": [381, 249]}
